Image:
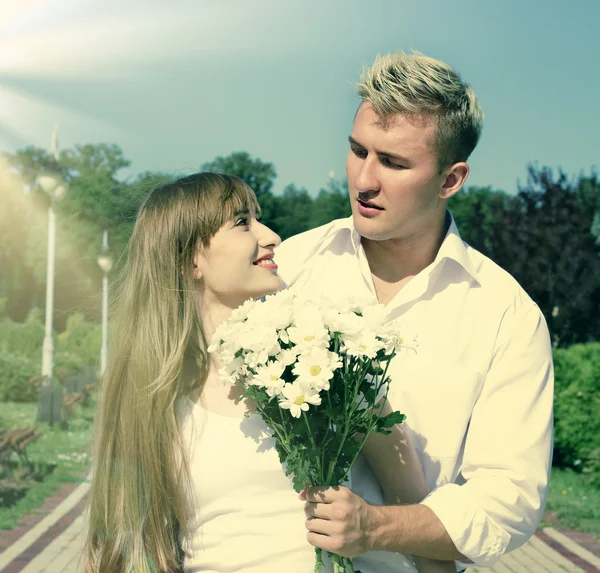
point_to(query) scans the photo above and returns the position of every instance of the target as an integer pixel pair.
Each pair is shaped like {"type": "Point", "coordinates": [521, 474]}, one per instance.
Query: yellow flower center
{"type": "Point", "coordinates": [299, 400]}
{"type": "Point", "coordinates": [362, 347]}
{"type": "Point", "coordinates": [273, 377]}
{"type": "Point", "coordinates": [309, 338]}
{"type": "Point", "coordinates": [315, 370]}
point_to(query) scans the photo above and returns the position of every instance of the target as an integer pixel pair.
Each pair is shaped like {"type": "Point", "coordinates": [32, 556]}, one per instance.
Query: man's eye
{"type": "Point", "coordinates": [359, 152]}
{"type": "Point", "coordinates": [242, 222]}
{"type": "Point", "coordinates": [388, 163]}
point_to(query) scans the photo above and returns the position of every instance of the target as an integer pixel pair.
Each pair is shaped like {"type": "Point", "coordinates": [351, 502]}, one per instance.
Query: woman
{"type": "Point", "coordinates": [181, 477]}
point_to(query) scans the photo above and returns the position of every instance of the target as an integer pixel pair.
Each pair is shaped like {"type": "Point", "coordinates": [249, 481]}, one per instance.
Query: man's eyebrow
{"type": "Point", "coordinates": [400, 158]}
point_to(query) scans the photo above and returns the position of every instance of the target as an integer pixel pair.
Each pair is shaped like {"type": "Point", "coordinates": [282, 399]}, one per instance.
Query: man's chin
{"type": "Point", "coordinates": [368, 228]}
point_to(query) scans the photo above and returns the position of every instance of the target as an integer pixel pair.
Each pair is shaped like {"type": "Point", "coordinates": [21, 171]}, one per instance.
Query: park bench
{"type": "Point", "coordinates": [70, 402]}
{"type": "Point", "coordinates": [16, 441]}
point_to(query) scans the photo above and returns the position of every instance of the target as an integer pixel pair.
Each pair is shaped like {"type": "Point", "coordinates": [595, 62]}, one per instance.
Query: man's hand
{"type": "Point", "coordinates": [338, 520]}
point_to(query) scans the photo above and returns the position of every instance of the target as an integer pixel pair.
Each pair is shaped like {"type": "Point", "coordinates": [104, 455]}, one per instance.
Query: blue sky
{"type": "Point", "coordinates": [178, 83]}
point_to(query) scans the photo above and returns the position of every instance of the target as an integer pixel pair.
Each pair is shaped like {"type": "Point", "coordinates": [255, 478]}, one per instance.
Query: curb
{"type": "Point", "coordinates": [36, 538]}
{"type": "Point", "coordinates": [568, 548]}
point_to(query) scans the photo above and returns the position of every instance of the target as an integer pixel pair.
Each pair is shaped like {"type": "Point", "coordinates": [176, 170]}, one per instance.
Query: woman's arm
{"type": "Point", "coordinates": [398, 470]}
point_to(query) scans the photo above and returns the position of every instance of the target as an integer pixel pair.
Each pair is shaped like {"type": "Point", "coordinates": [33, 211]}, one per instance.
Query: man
{"type": "Point", "coordinates": [478, 393]}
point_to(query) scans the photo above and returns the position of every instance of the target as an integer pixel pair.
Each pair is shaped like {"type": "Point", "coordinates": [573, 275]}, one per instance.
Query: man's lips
{"type": "Point", "coordinates": [369, 205]}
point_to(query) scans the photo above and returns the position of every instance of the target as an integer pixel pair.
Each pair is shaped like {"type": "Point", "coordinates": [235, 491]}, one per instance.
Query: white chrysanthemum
{"type": "Point", "coordinates": [348, 323]}
{"type": "Point", "coordinates": [269, 377]}
{"type": "Point", "coordinates": [275, 312]}
{"type": "Point", "coordinates": [228, 374]}
{"type": "Point", "coordinates": [308, 328]}
{"type": "Point", "coordinates": [234, 339]}
{"type": "Point", "coordinates": [374, 316]}
{"type": "Point", "coordinates": [288, 356]}
{"type": "Point", "coordinates": [348, 304]}
{"type": "Point", "coordinates": [297, 398]}
{"type": "Point", "coordinates": [315, 367]}
{"type": "Point", "coordinates": [242, 312]}
{"type": "Point", "coordinates": [363, 344]}
{"type": "Point", "coordinates": [283, 336]}
{"type": "Point", "coordinates": [260, 342]}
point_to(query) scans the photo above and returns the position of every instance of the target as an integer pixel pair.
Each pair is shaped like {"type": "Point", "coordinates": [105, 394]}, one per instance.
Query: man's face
{"type": "Point", "coordinates": [393, 167]}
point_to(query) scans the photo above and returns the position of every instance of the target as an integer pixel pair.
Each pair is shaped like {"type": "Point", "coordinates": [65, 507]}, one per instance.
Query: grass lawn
{"type": "Point", "coordinates": [68, 449]}
{"type": "Point", "coordinates": [575, 504]}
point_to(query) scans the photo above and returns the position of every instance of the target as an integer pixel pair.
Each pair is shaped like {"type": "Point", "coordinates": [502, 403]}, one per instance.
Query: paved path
{"type": "Point", "coordinates": [54, 546]}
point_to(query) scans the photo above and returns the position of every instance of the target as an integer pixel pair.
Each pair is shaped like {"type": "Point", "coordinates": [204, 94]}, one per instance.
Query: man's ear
{"type": "Point", "coordinates": [455, 179]}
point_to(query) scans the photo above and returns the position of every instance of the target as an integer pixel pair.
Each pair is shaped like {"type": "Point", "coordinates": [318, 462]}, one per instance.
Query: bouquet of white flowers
{"type": "Point", "coordinates": [316, 372]}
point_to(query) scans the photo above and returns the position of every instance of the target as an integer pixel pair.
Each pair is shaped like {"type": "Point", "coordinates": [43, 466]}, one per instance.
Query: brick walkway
{"type": "Point", "coordinates": [54, 542]}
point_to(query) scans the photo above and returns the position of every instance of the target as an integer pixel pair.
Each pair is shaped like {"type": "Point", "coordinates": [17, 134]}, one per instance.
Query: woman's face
{"type": "Point", "coordinates": [238, 263]}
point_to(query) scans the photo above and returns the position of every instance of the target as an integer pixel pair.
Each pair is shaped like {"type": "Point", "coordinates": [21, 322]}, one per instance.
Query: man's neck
{"type": "Point", "coordinates": [397, 261]}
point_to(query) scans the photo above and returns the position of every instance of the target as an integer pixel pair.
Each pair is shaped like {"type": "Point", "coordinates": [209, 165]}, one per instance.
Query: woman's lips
{"type": "Point", "coordinates": [266, 264]}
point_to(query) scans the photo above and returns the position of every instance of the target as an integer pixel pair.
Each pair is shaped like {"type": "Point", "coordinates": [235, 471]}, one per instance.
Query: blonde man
{"type": "Point", "coordinates": [478, 393]}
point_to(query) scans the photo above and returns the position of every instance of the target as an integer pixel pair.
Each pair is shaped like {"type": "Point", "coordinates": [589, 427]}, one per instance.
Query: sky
{"type": "Point", "coordinates": [176, 84]}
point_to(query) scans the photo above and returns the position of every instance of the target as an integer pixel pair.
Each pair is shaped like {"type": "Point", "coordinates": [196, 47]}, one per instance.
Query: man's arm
{"type": "Point", "coordinates": [342, 522]}
{"type": "Point", "coordinates": [506, 465]}
{"type": "Point", "coordinates": [398, 470]}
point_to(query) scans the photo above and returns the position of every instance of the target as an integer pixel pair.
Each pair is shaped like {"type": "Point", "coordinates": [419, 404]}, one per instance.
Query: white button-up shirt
{"type": "Point", "coordinates": [478, 393]}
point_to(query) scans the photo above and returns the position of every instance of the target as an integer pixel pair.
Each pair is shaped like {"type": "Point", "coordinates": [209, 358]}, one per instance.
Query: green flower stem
{"type": "Point", "coordinates": [362, 443]}
{"type": "Point", "coordinates": [283, 439]}
{"type": "Point", "coordinates": [319, 560]}
{"type": "Point", "coordinates": [339, 563]}
{"type": "Point", "coordinates": [312, 440]}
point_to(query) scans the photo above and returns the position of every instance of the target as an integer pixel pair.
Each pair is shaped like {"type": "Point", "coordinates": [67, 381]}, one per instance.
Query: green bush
{"type": "Point", "coordinates": [24, 338]}
{"type": "Point", "coordinates": [15, 372]}
{"type": "Point", "coordinates": [67, 361]}
{"type": "Point", "coordinates": [577, 408]}
{"type": "Point", "coordinates": [81, 338]}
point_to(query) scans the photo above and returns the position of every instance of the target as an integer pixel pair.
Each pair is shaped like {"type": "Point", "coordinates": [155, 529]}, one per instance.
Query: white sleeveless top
{"type": "Point", "coordinates": [246, 516]}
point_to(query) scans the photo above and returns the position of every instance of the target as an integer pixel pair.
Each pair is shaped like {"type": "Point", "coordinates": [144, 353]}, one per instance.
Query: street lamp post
{"type": "Point", "coordinates": [105, 263]}
{"type": "Point", "coordinates": [50, 395]}
{"type": "Point", "coordinates": [55, 187]}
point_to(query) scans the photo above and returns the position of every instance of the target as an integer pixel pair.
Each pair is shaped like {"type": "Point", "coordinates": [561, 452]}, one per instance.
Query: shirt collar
{"type": "Point", "coordinates": [452, 247]}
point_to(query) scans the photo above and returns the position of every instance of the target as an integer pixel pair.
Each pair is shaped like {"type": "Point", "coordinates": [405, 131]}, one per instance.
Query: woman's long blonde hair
{"type": "Point", "coordinates": [137, 508]}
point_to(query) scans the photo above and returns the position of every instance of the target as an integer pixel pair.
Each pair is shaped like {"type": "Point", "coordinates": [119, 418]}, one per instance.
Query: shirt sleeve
{"type": "Point", "coordinates": [508, 449]}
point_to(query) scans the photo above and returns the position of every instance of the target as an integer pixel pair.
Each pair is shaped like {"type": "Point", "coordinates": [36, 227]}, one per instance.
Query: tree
{"type": "Point", "coordinates": [478, 212]}
{"type": "Point", "coordinates": [330, 204]}
{"type": "Point", "coordinates": [293, 212]}
{"type": "Point", "coordinates": [258, 174]}
{"type": "Point", "coordinates": [561, 259]}
{"type": "Point", "coordinates": [95, 201]}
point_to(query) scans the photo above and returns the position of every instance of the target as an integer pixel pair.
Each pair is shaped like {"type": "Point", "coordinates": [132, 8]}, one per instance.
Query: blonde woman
{"type": "Point", "coordinates": [182, 480]}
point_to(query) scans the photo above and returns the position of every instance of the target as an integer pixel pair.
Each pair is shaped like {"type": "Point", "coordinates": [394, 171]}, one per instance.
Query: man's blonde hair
{"type": "Point", "coordinates": [414, 84]}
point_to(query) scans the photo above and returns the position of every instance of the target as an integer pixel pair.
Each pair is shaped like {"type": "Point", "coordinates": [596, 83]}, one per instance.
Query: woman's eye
{"type": "Point", "coordinates": [242, 222]}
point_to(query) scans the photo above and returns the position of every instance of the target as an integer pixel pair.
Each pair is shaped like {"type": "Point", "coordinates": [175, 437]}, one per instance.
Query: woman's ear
{"type": "Point", "coordinates": [197, 263]}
